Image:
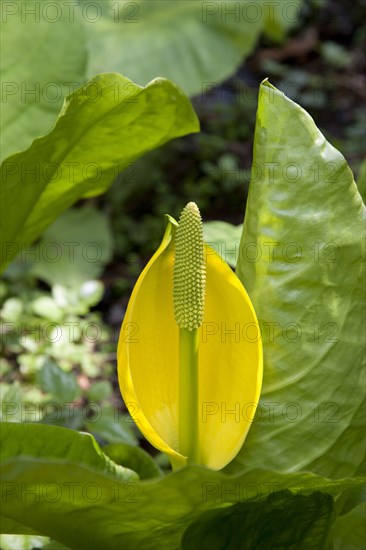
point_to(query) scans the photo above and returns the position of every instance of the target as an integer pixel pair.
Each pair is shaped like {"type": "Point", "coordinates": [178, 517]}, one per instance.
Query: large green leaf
{"type": "Point", "coordinates": [196, 44]}
{"type": "Point", "coordinates": [134, 458]}
{"type": "Point", "coordinates": [273, 523]}
{"type": "Point", "coordinates": [302, 262]}
{"type": "Point", "coordinates": [103, 511]}
{"type": "Point", "coordinates": [102, 128]}
{"type": "Point", "coordinates": [72, 264]}
{"type": "Point", "coordinates": [361, 180]}
{"type": "Point", "coordinates": [349, 531]}
{"type": "Point", "coordinates": [44, 442]}
{"type": "Point", "coordinates": [40, 66]}
{"type": "Point", "coordinates": [10, 526]}
{"type": "Point", "coordinates": [142, 39]}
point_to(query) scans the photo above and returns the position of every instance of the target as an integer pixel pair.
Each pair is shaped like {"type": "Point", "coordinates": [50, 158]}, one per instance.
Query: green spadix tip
{"type": "Point", "coordinates": [189, 269]}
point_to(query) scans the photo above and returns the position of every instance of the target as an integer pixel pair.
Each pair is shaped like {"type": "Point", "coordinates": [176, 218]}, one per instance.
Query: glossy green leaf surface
{"type": "Point", "coordinates": [209, 40]}
{"type": "Point", "coordinates": [43, 442]}
{"type": "Point", "coordinates": [349, 531]}
{"type": "Point", "coordinates": [141, 39]}
{"type": "Point", "coordinates": [10, 526]}
{"type": "Point", "coordinates": [361, 180]}
{"type": "Point", "coordinates": [135, 458]}
{"type": "Point", "coordinates": [40, 66]}
{"type": "Point", "coordinates": [67, 496]}
{"type": "Point", "coordinates": [282, 520]}
{"type": "Point", "coordinates": [302, 260]}
{"type": "Point", "coordinates": [102, 128]}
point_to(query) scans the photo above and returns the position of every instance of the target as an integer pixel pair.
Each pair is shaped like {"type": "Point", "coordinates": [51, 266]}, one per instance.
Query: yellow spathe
{"type": "Point", "coordinates": [230, 359]}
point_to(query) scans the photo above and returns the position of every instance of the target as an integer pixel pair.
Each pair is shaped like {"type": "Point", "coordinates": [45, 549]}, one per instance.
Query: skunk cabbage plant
{"type": "Point", "coordinates": [191, 376]}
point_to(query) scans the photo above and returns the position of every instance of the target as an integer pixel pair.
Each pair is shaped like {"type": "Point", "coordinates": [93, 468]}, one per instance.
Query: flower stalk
{"type": "Point", "coordinates": [189, 395]}
{"type": "Point", "coordinates": [189, 301]}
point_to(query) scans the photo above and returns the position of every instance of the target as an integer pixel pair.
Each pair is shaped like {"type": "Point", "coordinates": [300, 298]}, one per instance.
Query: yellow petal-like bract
{"type": "Point", "coordinates": [230, 358]}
